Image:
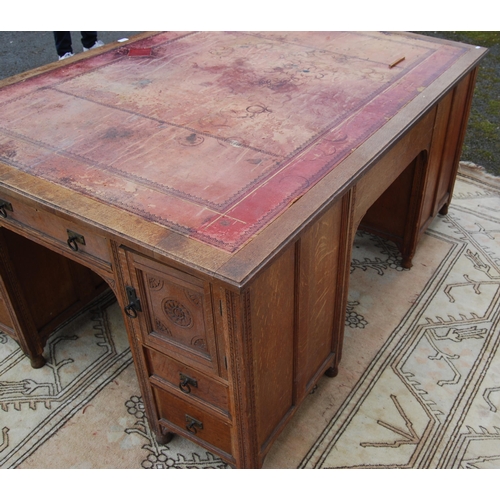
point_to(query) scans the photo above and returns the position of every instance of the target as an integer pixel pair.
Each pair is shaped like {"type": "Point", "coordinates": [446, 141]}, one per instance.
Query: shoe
{"type": "Point", "coordinates": [65, 56]}
{"type": "Point", "coordinates": [97, 44]}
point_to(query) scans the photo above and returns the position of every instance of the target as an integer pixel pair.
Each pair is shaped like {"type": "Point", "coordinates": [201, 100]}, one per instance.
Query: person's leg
{"type": "Point", "coordinates": [89, 38]}
{"type": "Point", "coordinates": [63, 42]}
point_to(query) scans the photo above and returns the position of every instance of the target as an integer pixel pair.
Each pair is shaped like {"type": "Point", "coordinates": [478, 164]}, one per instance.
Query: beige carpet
{"type": "Point", "coordinates": [418, 387]}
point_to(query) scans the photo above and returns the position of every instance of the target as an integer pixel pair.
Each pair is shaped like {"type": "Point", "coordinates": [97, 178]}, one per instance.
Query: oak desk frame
{"type": "Point", "coordinates": [252, 331]}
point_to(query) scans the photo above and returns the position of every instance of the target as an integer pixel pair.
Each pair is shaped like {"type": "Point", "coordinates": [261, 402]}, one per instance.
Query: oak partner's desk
{"type": "Point", "coordinates": [215, 182]}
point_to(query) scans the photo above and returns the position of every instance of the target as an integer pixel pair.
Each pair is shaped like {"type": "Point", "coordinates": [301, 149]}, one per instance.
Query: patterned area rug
{"type": "Point", "coordinates": [418, 386]}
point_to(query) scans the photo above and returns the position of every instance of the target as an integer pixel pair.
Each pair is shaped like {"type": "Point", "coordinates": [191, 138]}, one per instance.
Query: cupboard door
{"type": "Point", "coordinates": [177, 317]}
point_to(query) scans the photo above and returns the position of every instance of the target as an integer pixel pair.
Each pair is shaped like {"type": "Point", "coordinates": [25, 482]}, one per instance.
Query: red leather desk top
{"type": "Point", "coordinates": [212, 134]}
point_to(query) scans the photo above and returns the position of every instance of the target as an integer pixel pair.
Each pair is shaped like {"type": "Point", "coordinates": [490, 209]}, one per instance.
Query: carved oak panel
{"type": "Point", "coordinates": [177, 310]}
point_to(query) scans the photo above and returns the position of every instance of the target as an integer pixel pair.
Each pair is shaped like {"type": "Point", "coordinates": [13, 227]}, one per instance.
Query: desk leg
{"type": "Point", "coordinates": [18, 322]}
{"type": "Point", "coordinates": [164, 438]}
{"type": "Point", "coordinates": [444, 210]}
{"type": "Point", "coordinates": [396, 214]}
{"type": "Point", "coordinates": [332, 371]}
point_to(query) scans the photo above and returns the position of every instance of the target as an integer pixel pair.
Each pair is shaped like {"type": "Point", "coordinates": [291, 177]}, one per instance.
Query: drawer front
{"type": "Point", "coordinates": [56, 231]}
{"type": "Point", "coordinates": [187, 380]}
{"type": "Point", "coordinates": [189, 420]}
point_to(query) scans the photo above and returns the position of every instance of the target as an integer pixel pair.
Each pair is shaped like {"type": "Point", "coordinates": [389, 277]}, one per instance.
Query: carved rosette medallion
{"type": "Point", "coordinates": [177, 313]}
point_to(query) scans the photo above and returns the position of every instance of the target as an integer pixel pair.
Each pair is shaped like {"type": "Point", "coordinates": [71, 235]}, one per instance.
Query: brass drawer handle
{"type": "Point", "coordinates": [192, 425]}
{"type": "Point", "coordinates": [5, 205]}
{"type": "Point", "coordinates": [186, 383]}
{"type": "Point", "coordinates": [74, 239]}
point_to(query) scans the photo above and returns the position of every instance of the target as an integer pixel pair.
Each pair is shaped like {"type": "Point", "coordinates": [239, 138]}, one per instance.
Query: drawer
{"type": "Point", "coordinates": [56, 231]}
{"type": "Point", "coordinates": [183, 378]}
{"type": "Point", "coordinates": [187, 419]}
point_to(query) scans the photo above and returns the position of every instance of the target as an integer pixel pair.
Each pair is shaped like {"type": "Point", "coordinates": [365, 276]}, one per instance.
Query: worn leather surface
{"type": "Point", "coordinates": [213, 134]}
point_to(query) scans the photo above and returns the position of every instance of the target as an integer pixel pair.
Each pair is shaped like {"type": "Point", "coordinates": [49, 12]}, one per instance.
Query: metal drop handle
{"type": "Point", "coordinates": [193, 425]}
{"type": "Point", "coordinates": [4, 206]}
{"type": "Point", "coordinates": [130, 311]}
{"type": "Point", "coordinates": [186, 383]}
{"type": "Point", "coordinates": [74, 239]}
{"type": "Point", "coordinates": [73, 244]}
{"type": "Point", "coordinates": [134, 304]}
